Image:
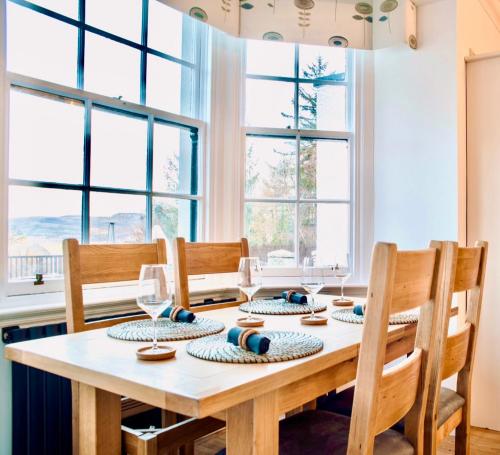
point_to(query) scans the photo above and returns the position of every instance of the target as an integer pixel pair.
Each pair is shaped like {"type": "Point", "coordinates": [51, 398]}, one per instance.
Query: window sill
{"type": "Point", "coordinates": [29, 310]}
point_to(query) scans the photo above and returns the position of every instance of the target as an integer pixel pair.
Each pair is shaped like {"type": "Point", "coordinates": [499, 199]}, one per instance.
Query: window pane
{"type": "Point", "coordinates": [269, 103]}
{"type": "Point", "coordinates": [39, 220]}
{"type": "Point", "coordinates": [120, 17]}
{"type": "Point", "coordinates": [119, 146]}
{"type": "Point", "coordinates": [324, 169]}
{"type": "Point", "coordinates": [45, 137]}
{"type": "Point", "coordinates": [119, 218]}
{"type": "Point", "coordinates": [322, 61]}
{"type": "Point", "coordinates": [49, 54]}
{"type": "Point", "coordinates": [324, 232]}
{"type": "Point", "coordinates": [270, 167]}
{"type": "Point", "coordinates": [172, 159]}
{"type": "Point", "coordinates": [269, 58]}
{"type": "Point", "coordinates": [66, 7]}
{"type": "Point", "coordinates": [172, 217]}
{"type": "Point", "coordinates": [270, 229]}
{"type": "Point", "coordinates": [170, 31]}
{"type": "Point", "coordinates": [322, 107]}
{"type": "Point", "coordinates": [111, 68]}
{"type": "Point", "coordinates": [170, 86]}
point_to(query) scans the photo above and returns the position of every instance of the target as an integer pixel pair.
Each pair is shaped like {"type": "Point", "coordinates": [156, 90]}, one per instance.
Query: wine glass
{"type": "Point", "coordinates": [342, 273]}
{"type": "Point", "coordinates": [249, 280]}
{"type": "Point", "coordinates": [154, 294]}
{"type": "Point", "coordinates": [313, 280]}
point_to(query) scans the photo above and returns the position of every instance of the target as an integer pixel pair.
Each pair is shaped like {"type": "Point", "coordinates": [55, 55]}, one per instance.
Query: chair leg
{"type": "Point", "coordinates": [462, 435]}
{"type": "Point", "coordinates": [75, 427]}
{"type": "Point", "coordinates": [187, 449]}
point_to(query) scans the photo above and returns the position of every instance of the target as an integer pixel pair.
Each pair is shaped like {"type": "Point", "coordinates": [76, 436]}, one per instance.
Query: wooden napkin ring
{"type": "Point", "coordinates": [243, 337]}
{"type": "Point", "coordinates": [289, 295]}
{"type": "Point", "coordinates": [175, 311]}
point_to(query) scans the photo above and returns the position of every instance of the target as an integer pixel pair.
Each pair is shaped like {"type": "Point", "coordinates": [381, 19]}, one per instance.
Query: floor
{"type": "Point", "coordinates": [483, 442]}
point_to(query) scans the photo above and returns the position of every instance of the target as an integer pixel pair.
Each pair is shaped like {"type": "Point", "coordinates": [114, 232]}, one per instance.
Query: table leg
{"type": "Point", "coordinates": [99, 421]}
{"type": "Point", "coordinates": [253, 427]}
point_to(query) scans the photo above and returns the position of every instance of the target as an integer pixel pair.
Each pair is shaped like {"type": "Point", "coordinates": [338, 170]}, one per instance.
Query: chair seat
{"type": "Point", "coordinates": [449, 402]}
{"type": "Point", "coordinates": [317, 432]}
{"type": "Point", "coordinates": [341, 403]}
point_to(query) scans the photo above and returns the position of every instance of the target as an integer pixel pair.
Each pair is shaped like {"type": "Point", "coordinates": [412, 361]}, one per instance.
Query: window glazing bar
{"type": "Point", "coordinates": [181, 121]}
{"type": "Point", "coordinates": [89, 28]}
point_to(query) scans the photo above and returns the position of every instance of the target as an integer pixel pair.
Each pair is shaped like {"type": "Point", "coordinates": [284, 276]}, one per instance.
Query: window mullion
{"type": "Point", "coordinates": [86, 172]}
{"type": "Point", "coordinates": [193, 218]}
{"type": "Point", "coordinates": [81, 46]}
{"type": "Point", "coordinates": [149, 179]}
{"type": "Point", "coordinates": [296, 87]}
{"type": "Point", "coordinates": [297, 198]}
{"type": "Point", "coordinates": [144, 53]}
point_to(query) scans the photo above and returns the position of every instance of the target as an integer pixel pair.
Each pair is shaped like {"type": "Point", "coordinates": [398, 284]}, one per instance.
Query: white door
{"type": "Point", "coordinates": [483, 223]}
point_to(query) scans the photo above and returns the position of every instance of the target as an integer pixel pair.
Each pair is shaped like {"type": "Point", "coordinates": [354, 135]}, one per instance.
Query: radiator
{"type": "Point", "coordinates": [41, 402]}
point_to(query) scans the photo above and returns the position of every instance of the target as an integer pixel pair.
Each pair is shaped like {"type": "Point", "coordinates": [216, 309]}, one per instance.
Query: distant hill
{"type": "Point", "coordinates": [127, 227]}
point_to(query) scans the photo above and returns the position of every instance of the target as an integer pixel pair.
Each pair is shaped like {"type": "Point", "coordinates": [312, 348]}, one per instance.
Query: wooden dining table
{"type": "Point", "coordinates": [251, 398]}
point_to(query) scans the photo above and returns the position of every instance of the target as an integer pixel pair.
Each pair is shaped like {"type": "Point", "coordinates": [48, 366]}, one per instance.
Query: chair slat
{"type": "Point", "coordinates": [467, 269]}
{"type": "Point", "coordinates": [90, 264]}
{"type": "Point", "coordinates": [114, 263]}
{"type": "Point", "coordinates": [205, 259]}
{"type": "Point", "coordinates": [398, 391]}
{"type": "Point", "coordinates": [414, 279]}
{"type": "Point", "coordinates": [211, 258]}
{"type": "Point", "coordinates": [457, 347]}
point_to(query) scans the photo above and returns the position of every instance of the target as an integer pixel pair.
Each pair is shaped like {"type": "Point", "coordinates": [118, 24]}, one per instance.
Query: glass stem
{"type": "Point", "coordinates": [155, 341]}
{"type": "Point", "coordinates": [342, 290]}
{"type": "Point", "coordinates": [250, 308]}
{"type": "Point", "coordinates": [312, 307]}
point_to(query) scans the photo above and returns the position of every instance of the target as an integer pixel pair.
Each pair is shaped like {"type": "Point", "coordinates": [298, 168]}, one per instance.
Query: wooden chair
{"type": "Point", "coordinates": [446, 409]}
{"type": "Point", "coordinates": [91, 264]}
{"type": "Point", "coordinates": [205, 259]}
{"type": "Point", "coordinates": [399, 281]}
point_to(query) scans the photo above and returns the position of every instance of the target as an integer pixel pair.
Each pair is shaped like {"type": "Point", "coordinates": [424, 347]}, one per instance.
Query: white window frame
{"type": "Point", "coordinates": [353, 65]}
{"type": "Point", "coordinates": [8, 80]}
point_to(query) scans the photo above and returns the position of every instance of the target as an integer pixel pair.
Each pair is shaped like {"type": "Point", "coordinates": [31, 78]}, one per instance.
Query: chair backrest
{"type": "Point", "coordinates": [457, 350]}
{"type": "Point", "coordinates": [91, 264]}
{"type": "Point", "coordinates": [399, 281]}
{"type": "Point", "coordinates": [204, 259]}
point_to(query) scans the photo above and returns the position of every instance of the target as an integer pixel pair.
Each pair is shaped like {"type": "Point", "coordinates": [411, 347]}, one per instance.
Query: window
{"type": "Point", "coordinates": [103, 128]}
{"type": "Point", "coordinates": [298, 171]}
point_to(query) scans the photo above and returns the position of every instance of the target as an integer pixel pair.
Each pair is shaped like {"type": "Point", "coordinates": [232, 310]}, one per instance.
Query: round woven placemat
{"type": "Point", "coordinates": [346, 315]}
{"type": "Point", "coordinates": [280, 306]}
{"type": "Point", "coordinates": [284, 346]}
{"type": "Point", "coordinates": [166, 329]}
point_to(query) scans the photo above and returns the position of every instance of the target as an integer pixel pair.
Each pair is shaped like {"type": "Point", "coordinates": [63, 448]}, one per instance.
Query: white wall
{"type": "Point", "coordinates": [415, 151]}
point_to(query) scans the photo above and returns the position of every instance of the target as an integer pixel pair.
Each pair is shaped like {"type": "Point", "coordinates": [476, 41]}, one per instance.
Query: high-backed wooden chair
{"type": "Point", "coordinates": [91, 264]}
{"type": "Point", "coordinates": [205, 259]}
{"type": "Point", "coordinates": [447, 409]}
{"type": "Point", "coordinates": [399, 281]}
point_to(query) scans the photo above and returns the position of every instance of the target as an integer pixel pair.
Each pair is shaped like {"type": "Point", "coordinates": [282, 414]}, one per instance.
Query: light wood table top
{"type": "Point", "coordinates": [186, 384]}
